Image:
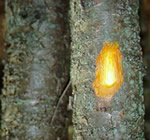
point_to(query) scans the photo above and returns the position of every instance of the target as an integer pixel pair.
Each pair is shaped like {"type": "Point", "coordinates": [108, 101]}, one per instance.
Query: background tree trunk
{"type": "Point", "coordinates": [36, 71]}
{"type": "Point", "coordinates": [92, 24]}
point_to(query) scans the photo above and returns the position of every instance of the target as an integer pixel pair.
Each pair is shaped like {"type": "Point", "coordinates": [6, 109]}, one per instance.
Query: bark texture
{"type": "Point", "coordinates": [94, 22]}
{"type": "Point", "coordinates": [36, 71]}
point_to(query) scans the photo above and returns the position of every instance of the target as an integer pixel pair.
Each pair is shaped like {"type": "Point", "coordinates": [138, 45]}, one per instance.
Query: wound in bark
{"type": "Point", "coordinates": [109, 72]}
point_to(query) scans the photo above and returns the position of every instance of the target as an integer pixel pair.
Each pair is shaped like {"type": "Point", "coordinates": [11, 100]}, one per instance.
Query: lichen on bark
{"type": "Point", "coordinates": [92, 24]}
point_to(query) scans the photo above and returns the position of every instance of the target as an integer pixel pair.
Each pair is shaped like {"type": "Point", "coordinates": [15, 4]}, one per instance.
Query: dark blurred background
{"type": "Point", "coordinates": [2, 40]}
{"type": "Point", "coordinates": [145, 43]}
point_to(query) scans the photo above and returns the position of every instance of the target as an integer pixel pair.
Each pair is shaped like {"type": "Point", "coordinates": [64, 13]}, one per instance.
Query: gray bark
{"type": "Point", "coordinates": [36, 70]}
{"type": "Point", "coordinates": [92, 24]}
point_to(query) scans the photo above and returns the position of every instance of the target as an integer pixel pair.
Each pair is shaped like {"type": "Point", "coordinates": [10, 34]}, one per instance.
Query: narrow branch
{"type": "Point", "coordinates": [59, 101]}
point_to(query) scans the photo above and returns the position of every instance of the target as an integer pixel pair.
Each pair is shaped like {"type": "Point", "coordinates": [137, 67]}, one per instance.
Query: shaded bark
{"type": "Point", "coordinates": [92, 24]}
{"type": "Point", "coordinates": [36, 71]}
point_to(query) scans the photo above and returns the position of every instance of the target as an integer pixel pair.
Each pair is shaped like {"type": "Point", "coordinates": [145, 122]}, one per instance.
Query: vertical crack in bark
{"type": "Point", "coordinates": [2, 53]}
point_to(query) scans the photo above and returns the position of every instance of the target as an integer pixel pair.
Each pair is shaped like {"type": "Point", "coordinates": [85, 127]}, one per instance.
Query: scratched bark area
{"type": "Point", "coordinates": [36, 70]}
{"type": "Point", "coordinates": [94, 22]}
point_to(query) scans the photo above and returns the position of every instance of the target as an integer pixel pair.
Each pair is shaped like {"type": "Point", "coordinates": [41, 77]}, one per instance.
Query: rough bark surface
{"type": "Point", "coordinates": [94, 22]}
{"type": "Point", "coordinates": [36, 71]}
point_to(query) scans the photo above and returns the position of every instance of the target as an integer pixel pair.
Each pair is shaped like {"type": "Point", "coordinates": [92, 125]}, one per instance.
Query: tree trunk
{"type": "Point", "coordinates": [36, 70]}
{"type": "Point", "coordinates": [92, 24]}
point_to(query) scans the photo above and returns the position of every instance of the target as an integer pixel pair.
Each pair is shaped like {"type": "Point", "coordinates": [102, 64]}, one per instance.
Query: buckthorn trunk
{"type": "Point", "coordinates": [101, 112]}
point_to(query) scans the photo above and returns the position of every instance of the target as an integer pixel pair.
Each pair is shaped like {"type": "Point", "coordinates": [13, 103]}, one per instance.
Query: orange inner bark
{"type": "Point", "coordinates": [109, 73]}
